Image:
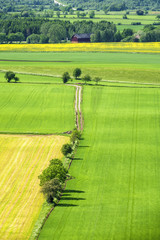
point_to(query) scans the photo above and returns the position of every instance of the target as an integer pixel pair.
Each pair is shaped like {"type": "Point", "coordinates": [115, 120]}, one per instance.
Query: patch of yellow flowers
{"type": "Point", "coordinates": [151, 47]}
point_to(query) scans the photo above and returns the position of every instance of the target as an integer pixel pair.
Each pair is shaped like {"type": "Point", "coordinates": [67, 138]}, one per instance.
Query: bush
{"type": "Point", "coordinates": [136, 23]}
{"type": "Point", "coordinates": [66, 149]}
{"type": "Point", "coordinates": [76, 135]}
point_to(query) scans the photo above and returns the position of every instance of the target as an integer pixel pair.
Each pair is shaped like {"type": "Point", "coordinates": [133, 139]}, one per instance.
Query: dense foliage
{"type": "Point", "coordinates": [114, 5]}
{"type": "Point", "coordinates": [43, 30]}
{"type": "Point", "coordinates": [54, 170]}
{"type": "Point", "coordinates": [41, 5]}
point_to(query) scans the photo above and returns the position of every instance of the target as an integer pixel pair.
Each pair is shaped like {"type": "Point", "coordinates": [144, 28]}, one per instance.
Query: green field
{"type": "Point", "coordinates": [116, 18]}
{"type": "Point", "coordinates": [132, 67]}
{"type": "Point", "coordinates": [115, 193]}
{"type": "Point", "coordinates": [36, 108]}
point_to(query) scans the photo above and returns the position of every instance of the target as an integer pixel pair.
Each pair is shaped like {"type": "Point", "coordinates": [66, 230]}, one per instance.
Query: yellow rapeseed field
{"type": "Point", "coordinates": [152, 47]}
{"type": "Point", "coordinates": [22, 160]}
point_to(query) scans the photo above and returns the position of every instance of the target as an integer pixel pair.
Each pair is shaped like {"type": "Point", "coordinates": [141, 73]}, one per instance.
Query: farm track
{"type": "Point", "coordinates": [78, 112]}
{"type": "Point", "coordinates": [58, 76]}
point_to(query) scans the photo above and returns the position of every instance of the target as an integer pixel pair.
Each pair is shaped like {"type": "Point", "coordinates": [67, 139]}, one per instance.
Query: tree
{"type": "Point", "coordinates": [96, 37]}
{"type": "Point", "coordinates": [66, 149]}
{"type": "Point", "coordinates": [92, 14]}
{"type": "Point", "coordinates": [125, 16]}
{"type": "Point", "coordinates": [52, 189]}
{"type": "Point", "coordinates": [66, 77]}
{"type": "Point", "coordinates": [56, 33]}
{"type": "Point", "coordinates": [58, 14]}
{"type": "Point", "coordinates": [127, 32]}
{"type": "Point", "coordinates": [140, 12]}
{"type": "Point", "coordinates": [87, 78]}
{"type": "Point", "coordinates": [3, 38]}
{"type": "Point", "coordinates": [158, 17]}
{"type": "Point", "coordinates": [33, 38]}
{"type": "Point", "coordinates": [54, 170]}
{"type": "Point", "coordinates": [117, 37]}
{"type": "Point", "coordinates": [97, 79]}
{"type": "Point", "coordinates": [78, 14]}
{"type": "Point", "coordinates": [77, 72]}
{"type": "Point", "coordinates": [11, 75]}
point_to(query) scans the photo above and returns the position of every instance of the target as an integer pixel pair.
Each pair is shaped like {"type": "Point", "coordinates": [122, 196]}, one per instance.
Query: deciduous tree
{"type": "Point", "coordinates": [77, 72]}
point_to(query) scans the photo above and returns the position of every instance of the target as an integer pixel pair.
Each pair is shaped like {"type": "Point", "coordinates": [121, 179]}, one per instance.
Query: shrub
{"type": "Point", "coordinates": [76, 135]}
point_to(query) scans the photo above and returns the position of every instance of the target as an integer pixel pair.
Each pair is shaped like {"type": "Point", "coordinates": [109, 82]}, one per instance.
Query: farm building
{"type": "Point", "coordinates": [81, 38]}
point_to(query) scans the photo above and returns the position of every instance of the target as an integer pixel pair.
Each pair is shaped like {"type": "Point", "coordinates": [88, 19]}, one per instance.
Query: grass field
{"type": "Point", "coordinates": [132, 67]}
{"type": "Point", "coordinates": [36, 108]}
{"type": "Point", "coordinates": [115, 17]}
{"type": "Point", "coordinates": [115, 193]}
{"type": "Point", "coordinates": [22, 160]}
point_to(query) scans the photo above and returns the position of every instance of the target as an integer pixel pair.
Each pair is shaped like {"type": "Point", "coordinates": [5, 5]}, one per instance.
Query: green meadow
{"type": "Point", "coordinates": [131, 67]}
{"type": "Point", "coordinates": [36, 108]}
{"type": "Point", "coordinates": [115, 193]}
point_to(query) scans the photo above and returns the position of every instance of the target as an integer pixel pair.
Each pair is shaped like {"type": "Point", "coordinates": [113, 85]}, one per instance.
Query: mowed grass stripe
{"type": "Point", "coordinates": [20, 195]}
{"type": "Point", "coordinates": [36, 108]}
{"type": "Point", "coordinates": [115, 194]}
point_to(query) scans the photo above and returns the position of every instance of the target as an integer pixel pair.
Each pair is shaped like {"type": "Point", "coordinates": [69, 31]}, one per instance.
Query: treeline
{"type": "Point", "coordinates": [52, 178]}
{"type": "Point", "coordinates": [114, 5]}
{"type": "Point", "coordinates": [20, 5]}
{"type": "Point", "coordinates": [111, 5]}
{"type": "Point", "coordinates": [38, 30]}
{"type": "Point", "coordinates": [42, 30]}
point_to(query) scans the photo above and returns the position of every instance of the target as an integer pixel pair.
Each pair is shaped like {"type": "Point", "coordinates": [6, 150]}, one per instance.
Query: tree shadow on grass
{"type": "Point", "coordinates": [83, 146]}
{"type": "Point", "coordinates": [73, 191]}
{"type": "Point", "coordinates": [68, 195]}
{"type": "Point", "coordinates": [77, 159]}
{"type": "Point", "coordinates": [72, 198]}
{"type": "Point", "coordinates": [66, 205]}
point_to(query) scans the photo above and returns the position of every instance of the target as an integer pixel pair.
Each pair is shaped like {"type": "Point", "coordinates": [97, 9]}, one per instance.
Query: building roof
{"type": "Point", "coordinates": [82, 35]}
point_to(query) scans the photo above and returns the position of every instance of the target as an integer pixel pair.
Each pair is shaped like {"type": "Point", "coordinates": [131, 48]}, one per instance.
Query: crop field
{"type": "Point", "coordinates": [115, 193]}
{"type": "Point", "coordinates": [36, 108]}
{"type": "Point", "coordinates": [22, 160]}
{"type": "Point", "coordinates": [149, 47]}
{"type": "Point", "coordinates": [131, 67]}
